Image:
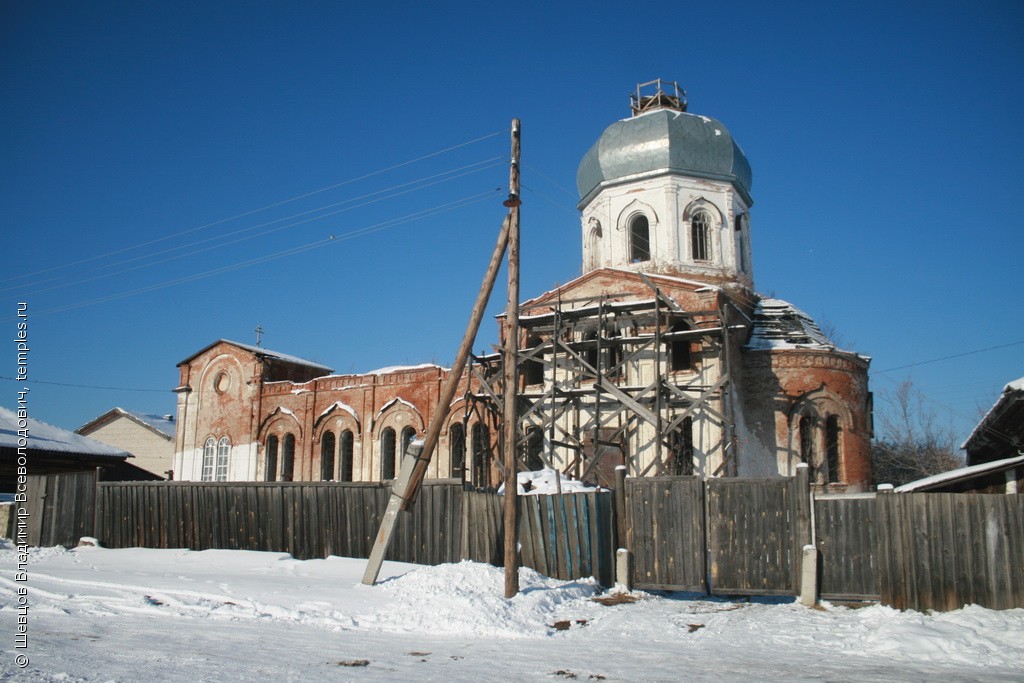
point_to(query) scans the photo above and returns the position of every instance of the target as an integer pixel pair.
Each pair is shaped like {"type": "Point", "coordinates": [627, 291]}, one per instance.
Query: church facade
{"type": "Point", "coordinates": [661, 357]}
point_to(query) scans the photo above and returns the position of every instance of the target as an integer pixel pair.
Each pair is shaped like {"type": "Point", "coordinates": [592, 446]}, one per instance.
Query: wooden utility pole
{"type": "Point", "coordinates": [510, 376]}
{"type": "Point", "coordinates": [415, 462]}
{"type": "Point", "coordinates": [415, 468]}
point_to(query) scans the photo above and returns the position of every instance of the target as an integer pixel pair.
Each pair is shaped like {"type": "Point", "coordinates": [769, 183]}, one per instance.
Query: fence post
{"type": "Point", "coordinates": [620, 506]}
{"type": "Point", "coordinates": [623, 560]}
{"type": "Point", "coordinates": [96, 505]}
{"type": "Point", "coordinates": [804, 532]}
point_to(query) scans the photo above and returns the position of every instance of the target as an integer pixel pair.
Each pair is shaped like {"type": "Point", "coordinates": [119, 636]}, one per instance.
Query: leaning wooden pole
{"type": "Point", "coordinates": [510, 376]}
{"type": "Point", "coordinates": [415, 468]}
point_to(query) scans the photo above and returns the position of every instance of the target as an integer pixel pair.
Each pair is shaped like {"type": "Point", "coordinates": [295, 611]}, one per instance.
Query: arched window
{"type": "Point", "coordinates": [741, 249]}
{"type": "Point", "coordinates": [680, 356]}
{"type": "Point", "coordinates": [408, 434]}
{"type": "Point", "coordinates": [680, 445]}
{"type": "Point", "coordinates": [346, 455]}
{"type": "Point", "coordinates": [481, 454]}
{"type": "Point", "coordinates": [270, 461]}
{"type": "Point", "coordinates": [387, 454]}
{"type": "Point", "coordinates": [807, 454]}
{"type": "Point", "coordinates": [209, 455]}
{"type": "Point", "coordinates": [639, 239]}
{"type": "Point", "coordinates": [457, 449]}
{"type": "Point", "coordinates": [327, 456]}
{"type": "Point", "coordinates": [533, 368]}
{"type": "Point", "coordinates": [534, 448]}
{"type": "Point", "coordinates": [288, 458]}
{"type": "Point", "coordinates": [223, 451]}
{"type": "Point", "coordinates": [700, 235]}
{"type": "Point", "coordinates": [593, 250]}
{"type": "Point", "coordinates": [832, 448]}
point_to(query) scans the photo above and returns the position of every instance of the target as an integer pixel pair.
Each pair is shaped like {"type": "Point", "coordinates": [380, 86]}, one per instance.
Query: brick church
{"type": "Point", "coordinates": [661, 356]}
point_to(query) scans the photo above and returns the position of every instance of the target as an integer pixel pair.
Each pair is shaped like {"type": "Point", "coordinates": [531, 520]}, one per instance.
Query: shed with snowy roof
{"type": "Point", "coordinates": [50, 450]}
{"type": "Point", "coordinates": [147, 436]}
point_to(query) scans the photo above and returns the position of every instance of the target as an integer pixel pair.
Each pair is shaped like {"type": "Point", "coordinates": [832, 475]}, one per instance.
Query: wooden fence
{"type": "Point", "coordinates": [725, 536]}
{"type": "Point", "coordinates": [564, 537]}
{"type": "Point", "coordinates": [941, 551]}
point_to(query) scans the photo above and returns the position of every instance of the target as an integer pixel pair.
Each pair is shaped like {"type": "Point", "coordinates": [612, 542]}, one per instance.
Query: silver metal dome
{"type": "Point", "coordinates": [663, 141]}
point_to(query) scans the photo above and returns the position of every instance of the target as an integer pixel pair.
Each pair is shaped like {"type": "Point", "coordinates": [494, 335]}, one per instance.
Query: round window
{"type": "Point", "coordinates": [222, 382]}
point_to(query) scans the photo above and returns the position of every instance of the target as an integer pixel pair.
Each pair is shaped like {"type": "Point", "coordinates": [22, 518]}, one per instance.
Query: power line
{"type": "Point", "coordinates": [79, 386]}
{"type": "Point", "coordinates": [263, 208]}
{"type": "Point", "coordinates": [957, 355]}
{"type": "Point", "coordinates": [419, 184]}
{"type": "Point", "coordinates": [442, 208]}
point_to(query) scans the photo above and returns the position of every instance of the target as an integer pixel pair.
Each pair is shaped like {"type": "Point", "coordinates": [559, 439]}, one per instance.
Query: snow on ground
{"type": "Point", "coordinates": [178, 615]}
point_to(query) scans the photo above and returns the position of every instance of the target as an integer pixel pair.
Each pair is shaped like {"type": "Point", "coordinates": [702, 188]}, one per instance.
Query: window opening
{"type": "Point", "coordinates": [223, 451]}
{"type": "Point", "coordinates": [639, 239]}
{"type": "Point", "coordinates": [533, 372]}
{"type": "Point", "coordinates": [534, 448]}
{"type": "Point", "coordinates": [457, 449]}
{"type": "Point", "coordinates": [209, 450]}
{"type": "Point", "coordinates": [807, 445]}
{"type": "Point", "coordinates": [481, 454]}
{"type": "Point", "coordinates": [832, 448]}
{"type": "Point", "coordinates": [387, 454]}
{"type": "Point", "coordinates": [680, 445]}
{"type": "Point", "coordinates": [288, 458]}
{"type": "Point", "coordinates": [346, 455]}
{"type": "Point", "coordinates": [327, 456]}
{"type": "Point", "coordinates": [680, 350]}
{"type": "Point", "coordinates": [700, 235]}
{"type": "Point", "coordinates": [270, 466]}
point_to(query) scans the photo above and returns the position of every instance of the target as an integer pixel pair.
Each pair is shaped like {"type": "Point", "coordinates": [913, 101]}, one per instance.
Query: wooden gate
{"type": "Point", "coordinates": [665, 533]}
{"type": "Point", "coordinates": [61, 507]}
{"type": "Point", "coordinates": [726, 536]}
{"type": "Point", "coordinates": [754, 536]}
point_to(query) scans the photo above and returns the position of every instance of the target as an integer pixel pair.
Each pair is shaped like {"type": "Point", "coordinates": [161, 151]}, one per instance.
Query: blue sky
{"type": "Point", "coordinates": [144, 143]}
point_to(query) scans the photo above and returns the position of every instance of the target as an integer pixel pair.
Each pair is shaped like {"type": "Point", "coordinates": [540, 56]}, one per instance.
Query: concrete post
{"type": "Point", "coordinates": [809, 577]}
{"type": "Point", "coordinates": [623, 562]}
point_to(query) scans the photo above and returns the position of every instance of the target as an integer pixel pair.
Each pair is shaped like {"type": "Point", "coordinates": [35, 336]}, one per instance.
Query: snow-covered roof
{"type": "Point", "coordinates": [46, 437]}
{"type": "Point", "coordinates": [778, 324]}
{"type": "Point", "coordinates": [987, 432]}
{"type": "Point", "coordinates": [961, 474]}
{"type": "Point", "coordinates": [405, 368]}
{"type": "Point", "coordinates": [163, 424]}
{"type": "Point", "coordinates": [265, 353]}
